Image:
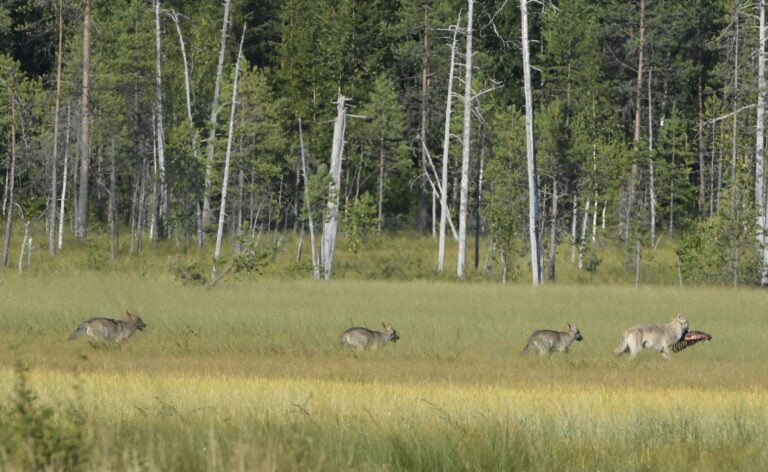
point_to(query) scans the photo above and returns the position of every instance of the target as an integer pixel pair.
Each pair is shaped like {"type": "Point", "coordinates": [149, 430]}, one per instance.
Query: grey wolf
{"type": "Point", "coordinates": [657, 337]}
{"type": "Point", "coordinates": [366, 339]}
{"type": "Point", "coordinates": [547, 341]}
{"type": "Point", "coordinates": [107, 329]}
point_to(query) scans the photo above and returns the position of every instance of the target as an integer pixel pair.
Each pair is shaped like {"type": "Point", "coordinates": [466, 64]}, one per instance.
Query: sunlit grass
{"type": "Point", "coordinates": [250, 376]}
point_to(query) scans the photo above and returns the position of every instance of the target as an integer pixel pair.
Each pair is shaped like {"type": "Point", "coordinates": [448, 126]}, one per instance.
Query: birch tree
{"type": "Point", "coordinates": [760, 201]}
{"type": "Point", "coordinates": [55, 152]}
{"type": "Point", "coordinates": [533, 185]}
{"type": "Point", "coordinates": [225, 180]}
{"type": "Point", "coordinates": [330, 227]}
{"type": "Point", "coordinates": [308, 203]}
{"type": "Point", "coordinates": [10, 184]}
{"type": "Point", "coordinates": [466, 140]}
{"type": "Point", "coordinates": [160, 132]}
{"type": "Point", "coordinates": [446, 149]}
{"type": "Point", "coordinates": [212, 122]}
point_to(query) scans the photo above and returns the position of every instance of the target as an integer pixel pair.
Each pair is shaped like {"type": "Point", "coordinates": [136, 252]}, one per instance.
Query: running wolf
{"type": "Point", "coordinates": [107, 329]}
{"type": "Point", "coordinates": [657, 337]}
{"type": "Point", "coordinates": [547, 341]}
{"type": "Point", "coordinates": [366, 339]}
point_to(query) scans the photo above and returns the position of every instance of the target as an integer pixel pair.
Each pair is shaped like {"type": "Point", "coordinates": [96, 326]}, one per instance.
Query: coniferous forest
{"type": "Point", "coordinates": [205, 123]}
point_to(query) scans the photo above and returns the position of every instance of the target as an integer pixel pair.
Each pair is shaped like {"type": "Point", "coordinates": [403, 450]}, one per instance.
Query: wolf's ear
{"type": "Point", "coordinates": [386, 326]}
{"type": "Point", "coordinates": [681, 317]}
{"type": "Point", "coordinates": [130, 315]}
{"type": "Point", "coordinates": [571, 327]}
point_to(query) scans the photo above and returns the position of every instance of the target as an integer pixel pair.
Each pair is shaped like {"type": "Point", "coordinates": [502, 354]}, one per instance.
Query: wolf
{"type": "Point", "coordinates": [657, 337]}
{"type": "Point", "coordinates": [547, 341]}
{"type": "Point", "coordinates": [107, 329]}
{"type": "Point", "coordinates": [366, 339]}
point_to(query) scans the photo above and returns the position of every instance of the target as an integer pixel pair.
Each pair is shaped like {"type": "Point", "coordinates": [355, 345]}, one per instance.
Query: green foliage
{"type": "Point", "coordinates": [358, 221]}
{"type": "Point", "coordinates": [188, 271]}
{"type": "Point", "coordinates": [34, 437]}
{"type": "Point", "coordinates": [723, 247]}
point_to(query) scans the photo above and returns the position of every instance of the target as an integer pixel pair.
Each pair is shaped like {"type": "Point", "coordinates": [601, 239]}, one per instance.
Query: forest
{"type": "Point", "coordinates": [532, 126]}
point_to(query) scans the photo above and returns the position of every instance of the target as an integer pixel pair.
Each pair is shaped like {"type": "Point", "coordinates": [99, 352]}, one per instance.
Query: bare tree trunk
{"type": "Point", "coordinates": [760, 202]}
{"type": "Point", "coordinates": [574, 225]}
{"type": "Point", "coordinates": [112, 210]}
{"type": "Point", "coordinates": [10, 185]}
{"type": "Point", "coordinates": [533, 187]}
{"type": "Point", "coordinates": [332, 206]}
{"type": "Point", "coordinates": [227, 159]}
{"type": "Point", "coordinates": [23, 246]}
{"type": "Point", "coordinates": [64, 175]}
{"type": "Point", "coordinates": [81, 212]}
{"type": "Point", "coordinates": [308, 203]}
{"type": "Point", "coordinates": [734, 104]}
{"type": "Point", "coordinates": [594, 219]}
{"type": "Point", "coordinates": [206, 217]}
{"type": "Point", "coordinates": [446, 148]}
{"type": "Point", "coordinates": [55, 154]}
{"type": "Point", "coordinates": [651, 169]}
{"type": "Point", "coordinates": [638, 260]}
{"type": "Point", "coordinates": [163, 215]}
{"type": "Point", "coordinates": [478, 203]}
{"type": "Point", "coordinates": [466, 140]}
{"type": "Point", "coordinates": [553, 233]}
{"type": "Point", "coordinates": [583, 238]}
{"type": "Point", "coordinates": [380, 212]}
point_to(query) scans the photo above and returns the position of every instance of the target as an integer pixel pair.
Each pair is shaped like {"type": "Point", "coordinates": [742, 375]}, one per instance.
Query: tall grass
{"type": "Point", "coordinates": [250, 375]}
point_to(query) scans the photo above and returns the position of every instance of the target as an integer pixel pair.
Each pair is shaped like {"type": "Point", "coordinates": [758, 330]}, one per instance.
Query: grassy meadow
{"type": "Point", "coordinates": [248, 375]}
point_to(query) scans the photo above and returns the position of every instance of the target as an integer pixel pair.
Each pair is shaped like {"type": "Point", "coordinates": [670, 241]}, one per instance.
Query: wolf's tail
{"type": "Point", "coordinates": [76, 333]}
{"type": "Point", "coordinates": [527, 346]}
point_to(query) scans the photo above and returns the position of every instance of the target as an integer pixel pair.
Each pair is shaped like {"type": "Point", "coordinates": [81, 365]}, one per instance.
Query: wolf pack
{"type": "Point", "coordinates": [665, 338]}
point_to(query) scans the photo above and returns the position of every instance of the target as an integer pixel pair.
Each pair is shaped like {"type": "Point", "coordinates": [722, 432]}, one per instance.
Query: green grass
{"type": "Point", "coordinates": [249, 375]}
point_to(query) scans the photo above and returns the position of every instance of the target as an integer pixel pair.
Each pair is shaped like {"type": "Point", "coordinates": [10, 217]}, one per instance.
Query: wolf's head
{"type": "Point", "coordinates": [140, 325]}
{"type": "Point", "coordinates": [388, 329]}
{"type": "Point", "coordinates": [682, 321]}
{"type": "Point", "coordinates": [575, 332]}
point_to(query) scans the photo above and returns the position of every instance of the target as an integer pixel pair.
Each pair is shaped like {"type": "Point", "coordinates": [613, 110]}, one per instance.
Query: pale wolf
{"type": "Point", "coordinates": [107, 329]}
{"type": "Point", "coordinates": [547, 341]}
{"type": "Point", "coordinates": [366, 339]}
{"type": "Point", "coordinates": [657, 337]}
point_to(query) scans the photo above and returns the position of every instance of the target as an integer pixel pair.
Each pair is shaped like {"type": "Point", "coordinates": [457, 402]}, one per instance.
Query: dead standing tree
{"type": "Point", "coordinates": [533, 181]}
{"type": "Point", "coordinates": [227, 159]}
{"type": "Point", "coordinates": [330, 226]}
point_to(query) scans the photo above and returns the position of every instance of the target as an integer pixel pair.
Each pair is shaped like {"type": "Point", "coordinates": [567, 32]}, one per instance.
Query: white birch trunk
{"type": "Point", "coordinates": [160, 129]}
{"type": "Point", "coordinates": [64, 183]}
{"type": "Point", "coordinates": [594, 219]}
{"type": "Point", "coordinates": [533, 190]}
{"type": "Point", "coordinates": [760, 201]}
{"type": "Point", "coordinates": [583, 239]}
{"type": "Point", "coordinates": [574, 225]}
{"type": "Point", "coordinates": [10, 184]}
{"type": "Point", "coordinates": [332, 206]}
{"type": "Point", "coordinates": [206, 217]}
{"type": "Point", "coordinates": [55, 153]}
{"type": "Point", "coordinates": [446, 146]}
{"type": "Point", "coordinates": [466, 138]}
{"type": "Point", "coordinates": [308, 203]}
{"type": "Point", "coordinates": [228, 156]}
{"type": "Point", "coordinates": [652, 170]}
{"type": "Point", "coordinates": [23, 246]}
